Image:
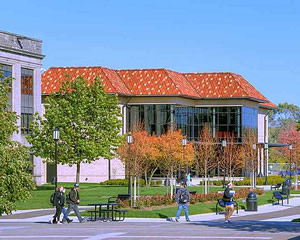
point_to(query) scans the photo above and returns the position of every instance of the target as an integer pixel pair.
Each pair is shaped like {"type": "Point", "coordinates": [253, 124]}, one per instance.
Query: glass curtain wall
{"type": "Point", "coordinates": [224, 121]}
{"type": "Point", "coordinates": [26, 99]}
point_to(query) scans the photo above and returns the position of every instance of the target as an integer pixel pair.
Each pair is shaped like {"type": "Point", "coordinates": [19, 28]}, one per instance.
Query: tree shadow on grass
{"type": "Point", "coordinates": [254, 226]}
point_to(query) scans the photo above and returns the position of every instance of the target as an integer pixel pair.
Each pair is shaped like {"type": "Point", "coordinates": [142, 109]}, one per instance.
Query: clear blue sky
{"type": "Point", "coordinates": [258, 39]}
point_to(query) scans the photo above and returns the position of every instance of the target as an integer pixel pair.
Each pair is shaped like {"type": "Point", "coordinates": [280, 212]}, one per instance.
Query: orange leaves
{"type": "Point", "coordinates": [150, 152]}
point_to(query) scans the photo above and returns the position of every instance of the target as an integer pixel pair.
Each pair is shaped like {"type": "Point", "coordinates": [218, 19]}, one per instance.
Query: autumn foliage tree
{"type": "Point", "coordinates": [141, 157]}
{"type": "Point", "coordinates": [231, 157]}
{"type": "Point", "coordinates": [290, 135]}
{"type": "Point", "coordinates": [172, 155]}
{"type": "Point", "coordinates": [206, 153]}
{"type": "Point", "coordinates": [250, 152]}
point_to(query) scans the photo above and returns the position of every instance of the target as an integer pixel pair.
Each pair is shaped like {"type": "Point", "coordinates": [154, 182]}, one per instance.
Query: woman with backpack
{"type": "Point", "coordinates": [228, 201]}
{"type": "Point", "coordinates": [59, 203]}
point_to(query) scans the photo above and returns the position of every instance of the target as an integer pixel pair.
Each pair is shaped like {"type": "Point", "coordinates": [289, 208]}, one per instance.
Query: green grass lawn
{"type": "Point", "coordinates": [92, 193]}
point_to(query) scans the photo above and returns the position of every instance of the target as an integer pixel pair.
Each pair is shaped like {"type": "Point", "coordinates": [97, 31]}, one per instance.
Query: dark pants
{"type": "Point", "coordinates": [57, 214]}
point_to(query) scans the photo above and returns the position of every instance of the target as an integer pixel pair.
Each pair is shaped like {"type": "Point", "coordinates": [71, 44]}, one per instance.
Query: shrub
{"type": "Point", "coordinates": [120, 182]}
{"type": "Point", "coordinates": [272, 180]}
{"type": "Point", "coordinates": [159, 200]}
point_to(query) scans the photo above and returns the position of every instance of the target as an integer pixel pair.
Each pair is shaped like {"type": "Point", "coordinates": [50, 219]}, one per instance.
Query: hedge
{"type": "Point", "coordinates": [159, 200]}
{"type": "Point", "coordinates": [124, 182]}
{"type": "Point", "coordinates": [272, 180]}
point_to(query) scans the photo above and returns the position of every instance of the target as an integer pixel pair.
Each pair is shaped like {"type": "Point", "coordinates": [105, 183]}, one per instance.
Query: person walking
{"type": "Point", "coordinates": [62, 201]}
{"type": "Point", "coordinates": [188, 180]}
{"type": "Point", "coordinates": [182, 198]}
{"type": "Point", "coordinates": [73, 200]}
{"type": "Point", "coordinates": [55, 219]}
{"type": "Point", "coordinates": [228, 201]}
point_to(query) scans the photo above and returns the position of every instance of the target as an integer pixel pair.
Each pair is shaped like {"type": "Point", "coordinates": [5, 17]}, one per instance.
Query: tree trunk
{"type": "Point", "coordinates": [78, 173]}
{"type": "Point", "coordinates": [151, 176]}
{"type": "Point", "coordinates": [146, 178]}
{"type": "Point", "coordinates": [167, 184]}
{"type": "Point", "coordinates": [171, 183]}
{"type": "Point", "coordinates": [205, 177]}
{"type": "Point", "coordinates": [134, 194]}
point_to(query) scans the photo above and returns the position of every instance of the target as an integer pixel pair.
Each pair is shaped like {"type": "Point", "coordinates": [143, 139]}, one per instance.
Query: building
{"type": "Point", "coordinates": [21, 58]}
{"type": "Point", "coordinates": [161, 99]}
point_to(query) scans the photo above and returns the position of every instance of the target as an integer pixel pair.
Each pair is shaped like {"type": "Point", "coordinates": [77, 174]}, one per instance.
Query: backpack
{"type": "Point", "coordinates": [52, 198]}
{"type": "Point", "coordinates": [183, 197]}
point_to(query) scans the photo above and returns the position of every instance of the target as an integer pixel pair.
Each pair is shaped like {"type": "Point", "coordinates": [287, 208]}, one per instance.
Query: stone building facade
{"type": "Point", "coordinates": [21, 58]}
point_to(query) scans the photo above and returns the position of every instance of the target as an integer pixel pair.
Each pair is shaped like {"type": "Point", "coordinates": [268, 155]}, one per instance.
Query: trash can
{"type": "Point", "coordinates": [251, 202]}
{"type": "Point", "coordinates": [285, 188]}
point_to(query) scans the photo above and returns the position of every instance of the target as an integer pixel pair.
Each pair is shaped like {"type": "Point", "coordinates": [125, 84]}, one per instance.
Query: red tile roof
{"type": "Point", "coordinates": [53, 77]}
{"type": "Point", "coordinates": [155, 82]}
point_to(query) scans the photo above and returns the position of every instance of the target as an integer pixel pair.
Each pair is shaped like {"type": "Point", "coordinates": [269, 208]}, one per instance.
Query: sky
{"type": "Point", "coordinates": [258, 39]}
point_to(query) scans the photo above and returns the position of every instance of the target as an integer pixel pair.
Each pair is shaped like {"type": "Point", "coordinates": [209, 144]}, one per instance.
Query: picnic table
{"type": "Point", "coordinates": [107, 211]}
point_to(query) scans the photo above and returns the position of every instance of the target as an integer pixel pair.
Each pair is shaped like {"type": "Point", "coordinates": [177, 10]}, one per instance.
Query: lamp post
{"type": "Point", "coordinates": [224, 143]}
{"type": "Point", "coordinates": [55, 138]}
{"type": "Point", "coordinates": [266, 146]}
{"type": "Point", "coordinates": [129, 141]}
{"type": "Point", "coordinates": [291, 148]}
{"type": "Point", "coordinates": [184, 143]}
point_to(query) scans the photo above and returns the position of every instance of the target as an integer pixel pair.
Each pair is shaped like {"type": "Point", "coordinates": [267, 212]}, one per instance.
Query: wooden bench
{"type": "Point", "coordinates": [278, 196]}
{"type": "Point", "coordinates": [221, 203]}
{"type": "Point", "coordinates": [276, 186]}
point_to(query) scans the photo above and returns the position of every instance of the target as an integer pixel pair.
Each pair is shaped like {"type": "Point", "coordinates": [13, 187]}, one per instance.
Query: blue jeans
{"type": "Point", "coordinates": [186, 210]}
{"type": "Point", "coordinates": [64, 213]}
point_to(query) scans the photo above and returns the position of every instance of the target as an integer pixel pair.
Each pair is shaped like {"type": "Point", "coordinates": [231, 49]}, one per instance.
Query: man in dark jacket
{"type": "Point", "coordinates": [228, 201]}
{"type": "Point", "coordinates": [73, 200]}
{"type": "Point", "coordinates": [183, 197]}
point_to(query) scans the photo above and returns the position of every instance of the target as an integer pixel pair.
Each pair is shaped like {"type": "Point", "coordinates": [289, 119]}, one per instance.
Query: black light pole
{"type": "Point", "coordinates": [109, 177]}
{"type": "Point", "coordinates": [184, 142]}
{"type": "Point", "coordinates": [129, 141]}
{"type": "Point", "coordinates": [266, 146]}
{"type": "Point", "coordinates": [291, 148]}
{"type": "Point", "coordinates": [55, 138]}
{"type": "Point", "coordinates": [224, 143]}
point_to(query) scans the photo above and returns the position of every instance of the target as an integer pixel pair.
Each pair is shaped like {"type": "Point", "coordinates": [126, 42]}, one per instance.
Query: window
{"type": "Point", "coordinates": [156, 119]}
{"type": "Point", "coordinates": [26, 99]}
{"type": "Point", "coordinates": [7, 72]}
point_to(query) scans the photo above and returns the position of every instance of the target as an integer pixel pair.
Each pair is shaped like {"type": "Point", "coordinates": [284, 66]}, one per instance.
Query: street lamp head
{"type": "Point", "coordinates": [254, 146]}
{"type": "Point", "coordinates": [290, 147]}
{"type": "Point", "coordinates": [184, 141]}
{"type": "Point", "coordinates": [224, 143]}
{"type": "Point", "coordinates": [56, 134]}
{"type": "Point", "coordinates": [129, 138]}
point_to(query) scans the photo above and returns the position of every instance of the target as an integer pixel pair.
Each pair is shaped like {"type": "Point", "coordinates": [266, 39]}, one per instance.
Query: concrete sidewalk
{"type": "Point", "coordinates": [266, 212]}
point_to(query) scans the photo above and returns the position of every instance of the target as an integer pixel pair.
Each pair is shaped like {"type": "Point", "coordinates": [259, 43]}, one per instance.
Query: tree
{"type": "Point", "coordinates": [231, 158]}
{"type": "Point", "coordinates": [89, 122]}
{"type": "Point", "coordinates": [172, 155]}
{"type": "Point", "coordinates": [205, 154]}
{"type": "Point", "coordinates": [16, 182]}
{"type": "Point", "coordinates": [141, 157]}
{"type": "Point", "coordinates": [283, 114]}
{"type": "Point", "coordinates": [250, 153]}
{"type": "Point", "coordinates": [290, 135]}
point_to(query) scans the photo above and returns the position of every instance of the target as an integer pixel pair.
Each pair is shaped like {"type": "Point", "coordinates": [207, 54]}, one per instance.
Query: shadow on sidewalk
{"type": "Point", "coordinates": [253, 226]}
